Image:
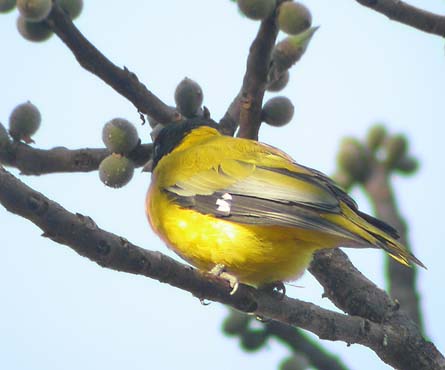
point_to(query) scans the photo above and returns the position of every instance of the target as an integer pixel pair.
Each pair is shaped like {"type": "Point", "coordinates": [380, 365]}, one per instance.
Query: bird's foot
{"type": "Point", "coordinates": [219, 270]}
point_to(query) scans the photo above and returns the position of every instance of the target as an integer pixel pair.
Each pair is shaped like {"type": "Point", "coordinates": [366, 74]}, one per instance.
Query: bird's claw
{"type": "Point", "coordinates": [219, 270]}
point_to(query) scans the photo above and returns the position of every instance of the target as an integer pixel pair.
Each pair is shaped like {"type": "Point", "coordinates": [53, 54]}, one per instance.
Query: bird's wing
{"type": "Point", "coordinates": [255, 192]}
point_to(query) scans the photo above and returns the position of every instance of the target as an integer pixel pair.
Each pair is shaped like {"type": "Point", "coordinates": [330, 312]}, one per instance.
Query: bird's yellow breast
{"type": "Point", "coordinates": [255, 255]}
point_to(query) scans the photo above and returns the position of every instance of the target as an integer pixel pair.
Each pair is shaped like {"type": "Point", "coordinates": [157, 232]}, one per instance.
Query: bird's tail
{"type": "Point", "coordinates": [378, 234]}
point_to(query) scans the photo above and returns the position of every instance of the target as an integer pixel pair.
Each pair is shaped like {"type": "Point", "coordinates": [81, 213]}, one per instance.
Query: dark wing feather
{"type": "Point", "coordinates": [266, 196]}
{"type": "Point", "coordinates": [344, 197]}
{"type": "Point", "coordinates": [258, 211]}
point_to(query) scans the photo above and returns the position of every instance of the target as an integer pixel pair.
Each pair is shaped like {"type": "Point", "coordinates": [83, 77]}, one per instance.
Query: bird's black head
{"type": "Point", "coordinates": [171, 135]}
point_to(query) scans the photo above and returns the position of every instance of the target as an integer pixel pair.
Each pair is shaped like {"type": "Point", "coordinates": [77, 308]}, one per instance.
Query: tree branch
{"type": "Point", "coordinates": [300, 343]}
{"type": "Point", "coordinates": [229, 123]}
{"type": "Point", "coordinates": [402, 280]}
{"type": "Point", "coordinates": [33, 161]}
{"type": "Point", "coordinates": [255, 79]}
{"type": "Point", "coordinates": [246, 107]}
{"type": "Point", "coordinates": [123, 81]}
{"type": "Point", "coordinates": [349, 289]}
{"type": "Point", "coordinates": [398, 343]}
{"type": "Point", "coordinates": [353, 293]}
{"type": "Point", "coordinates": [407, 14]}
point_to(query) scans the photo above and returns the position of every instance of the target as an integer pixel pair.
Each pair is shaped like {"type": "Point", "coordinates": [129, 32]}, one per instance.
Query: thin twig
{"type": "Point", "coordinates": [33, 161]}
{"type": "Point", "coordinates": [122, 80]}
{"type": "Point", "coordinates": [229, 123]}
{"type": "Point", "coordinates": [318, 357]}
{"type": "Point", "coordinates": [402, 280]}
{"type": "Point", "coordinates": [402, 12]}
{"type": "Point", "coordinates": [397, 341]}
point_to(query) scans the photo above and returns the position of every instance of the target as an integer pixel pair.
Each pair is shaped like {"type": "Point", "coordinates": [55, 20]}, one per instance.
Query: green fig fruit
{"type": "Point", "coordinates": [7, 5]}
{"type": "Point", "coordinates": [293, 17]}
{"type": "Point", "coordinates": [33, 31]}
{"type": "Point", "coordinates": [278, 111]}
{"type": "Point", "coordinates": [34, 10]}
{"type": "Point", "coordinates": [72, 7]}
{"type": "Point", "coordinates": [353, 159]}
{"type": "Point", "coordinates": [256, 9]}
{"type": "Point", "coordinates": [375, 137]}
{"type": "Point", "coordinates": [188, 97]}
{"type": "Point", "coordinates": [116, 171]}
{"type": "Point", "coordinates": [396, 148]}
{"type": "Point", "coordinates": [252, 340]}
{"type": "Point", "coordinates": [290, 50]}
{"type": "Point", "coordinates": [278, 84]}
{"type": "Point", "coordinates": [407, 165]}
{"type": "Point", "coordinates": [24, 121]}
{"type": "Point", "coordinates": [236, 323]}
{"type": "Point", "coordinates": [120, 136]}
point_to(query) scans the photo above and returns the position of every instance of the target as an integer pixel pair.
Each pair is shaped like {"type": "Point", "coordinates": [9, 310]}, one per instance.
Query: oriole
{"type": "Point", "coordinates": [249, 209]}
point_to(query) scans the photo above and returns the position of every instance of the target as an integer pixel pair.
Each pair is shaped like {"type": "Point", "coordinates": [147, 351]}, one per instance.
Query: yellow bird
{"type": "Point", "coordinates": [249, 212]}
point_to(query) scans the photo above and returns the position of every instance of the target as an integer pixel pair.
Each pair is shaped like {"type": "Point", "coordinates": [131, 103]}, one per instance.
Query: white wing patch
{"type": "Point", "coordinates": [224, 204]}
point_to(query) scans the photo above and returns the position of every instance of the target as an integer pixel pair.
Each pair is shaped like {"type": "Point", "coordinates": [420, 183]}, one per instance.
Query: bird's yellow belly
{"type": "Point", "coordinates": [256, 255]}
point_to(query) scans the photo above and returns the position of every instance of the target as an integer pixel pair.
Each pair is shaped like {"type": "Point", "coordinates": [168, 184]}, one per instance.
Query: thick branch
{"type": "Point", "coordinates": [410, 15]}
{"type": "Point", "coordinates": [255, 79]}
{"type": "Point", "coordinates": [123, 81]}
{"type": "Point", "coordinates": [246, 107]}
{"type": "Point", "coordinates": [32, 161]}
{"type": "Point", "coordinates": [398, 343]}
{"type": "Point", "coordinates": [402, 280]}
{"type": "Point", "coordinates": [353, 293]}
{"type": "Point", "coordinates": [349, 289]}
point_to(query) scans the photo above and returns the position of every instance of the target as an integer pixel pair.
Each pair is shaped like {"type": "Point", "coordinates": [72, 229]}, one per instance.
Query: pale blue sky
{"type": "Point", "coordinates": [61, 311]}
